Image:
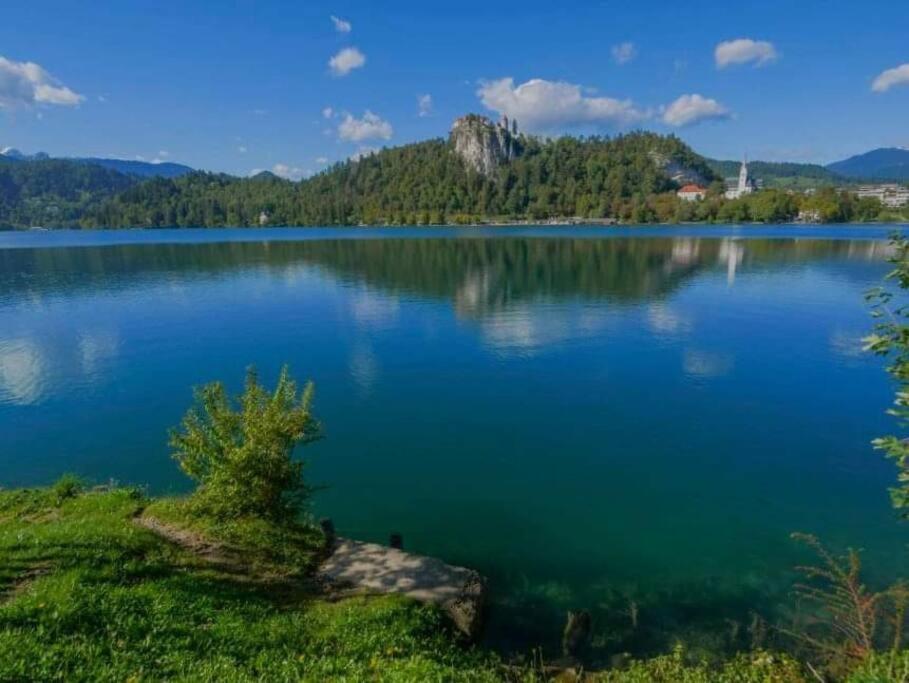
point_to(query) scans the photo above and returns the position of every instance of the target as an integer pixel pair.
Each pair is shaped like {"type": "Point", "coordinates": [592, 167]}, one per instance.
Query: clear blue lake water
{"type": "Point", "coordinates": [594, 418]}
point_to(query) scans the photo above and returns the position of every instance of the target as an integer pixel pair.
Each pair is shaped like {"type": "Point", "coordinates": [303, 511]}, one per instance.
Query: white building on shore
{"type": "Point", "coordinates": [692, 193]}
{"type": "Point", "coordinates": [736, 187]}
{"type": "Point", "coordinates": [889, 194]}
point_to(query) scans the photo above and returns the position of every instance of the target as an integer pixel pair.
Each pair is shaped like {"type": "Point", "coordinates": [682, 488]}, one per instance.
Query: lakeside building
{"type": "Point", "coordinates": [891, 195]}
{"type": "Point", "coordinates": [737, 187]}
{"type": "Point", "coordinates": [808, 216]}
{"type": "Point", "coordinates": [692, 193]}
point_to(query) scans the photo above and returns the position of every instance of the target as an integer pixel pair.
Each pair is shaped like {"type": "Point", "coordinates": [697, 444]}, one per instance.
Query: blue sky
{"type": "Point", "coordinates": [238, 86]}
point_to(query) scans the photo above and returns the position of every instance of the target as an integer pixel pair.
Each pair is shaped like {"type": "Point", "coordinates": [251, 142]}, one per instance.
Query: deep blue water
{"type": "Point", "coordinates": [590, 416]}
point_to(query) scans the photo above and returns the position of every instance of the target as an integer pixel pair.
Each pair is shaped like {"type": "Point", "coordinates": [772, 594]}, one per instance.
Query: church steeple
{"type": "Point", "coordinates": [743, 176]}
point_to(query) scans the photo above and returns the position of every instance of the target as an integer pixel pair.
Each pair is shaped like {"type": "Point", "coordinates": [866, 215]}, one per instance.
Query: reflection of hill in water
{"type": "Point", "coordinates": [477, 274]}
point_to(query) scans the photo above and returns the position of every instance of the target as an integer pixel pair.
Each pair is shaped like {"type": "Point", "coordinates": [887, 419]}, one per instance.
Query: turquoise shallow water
{"type": "Point", "coordinates": [618, 420]}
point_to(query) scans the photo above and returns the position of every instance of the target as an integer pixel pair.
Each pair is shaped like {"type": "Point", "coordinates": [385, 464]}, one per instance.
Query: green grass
{"type": "Point", "coordinates": [86, 594]}
{"type": "Point", "coordinates": [289, 550]}
{"type": "Point", "coordinates": [90, 596]}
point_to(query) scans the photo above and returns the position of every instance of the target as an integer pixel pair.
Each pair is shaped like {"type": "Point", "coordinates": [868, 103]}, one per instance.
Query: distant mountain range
{"type": "Point", "coordinates": [886, 163]}
{"type": "Point", "coordinates": [142, 169]}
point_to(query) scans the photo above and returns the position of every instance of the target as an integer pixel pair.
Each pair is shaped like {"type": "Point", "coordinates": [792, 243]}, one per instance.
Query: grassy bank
{"type": "Point", "coordinates": [88, 594]}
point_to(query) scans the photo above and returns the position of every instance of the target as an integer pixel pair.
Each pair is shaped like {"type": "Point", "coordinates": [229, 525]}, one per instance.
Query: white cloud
{"type": "Point", "coordinates": [546, 105]}
{"type": "Point", "coordinates": [288, 172]}
{"type": "Point", "coordinates": [690, 109]}
{"type": "Point", "coordinates": [424, 105]}
{"type": "Point", "coordinates": [887, 79]}
{"type": "Point", "coordinates": [370, 127]}
{"type": "Point", "coordinates": [341, 25]}
{"type": "Point", "coordinates": [321, 160]}
{"type": "Point", "coordinates": [346, 60]}
{"type": "Point", "coordinates": [242, 149]}
{"type": "Point", "coordinates": [743, 51]}
{"type": "Point", "coordinates": [327, 113]}
{"type": "Point", "coordinates": [23, 84]}
{"type": "Point", "coordinates": [624, 52]}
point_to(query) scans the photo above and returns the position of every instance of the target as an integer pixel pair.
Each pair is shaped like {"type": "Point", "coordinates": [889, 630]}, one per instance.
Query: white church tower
{"type": "Point", "coordinates": [744, 184]}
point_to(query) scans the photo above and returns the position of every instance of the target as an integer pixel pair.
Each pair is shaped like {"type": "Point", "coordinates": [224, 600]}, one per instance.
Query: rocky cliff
{"type": "Point", "coordinates": [482, 144]}
{"type": "Point", "coordinates": [677, 171]}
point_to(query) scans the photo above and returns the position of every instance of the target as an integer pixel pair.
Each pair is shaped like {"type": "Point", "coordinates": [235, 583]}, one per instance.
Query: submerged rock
{"type": "Point", "coordinates": [576, 635]}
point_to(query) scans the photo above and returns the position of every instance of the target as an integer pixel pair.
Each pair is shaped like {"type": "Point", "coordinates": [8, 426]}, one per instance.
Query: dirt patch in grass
{"type": "Point", "coordinates": [219, 555]}
{"type": "Point", "coordinates": [236, 563]}
{"type": "Point", "coordinates": [21, 583]}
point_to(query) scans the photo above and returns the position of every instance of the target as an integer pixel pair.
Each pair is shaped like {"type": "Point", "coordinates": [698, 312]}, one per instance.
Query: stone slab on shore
{"type": "Point", "coordinates": [373, 568]}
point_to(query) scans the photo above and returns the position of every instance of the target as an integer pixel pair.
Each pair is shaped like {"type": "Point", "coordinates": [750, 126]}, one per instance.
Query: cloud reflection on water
{"type": "Point", "coordinates": [33, 369]}
{"type": "Point", "coordinates": [707, 364]}
{"type": "Point", "coordinates": [22, 371]}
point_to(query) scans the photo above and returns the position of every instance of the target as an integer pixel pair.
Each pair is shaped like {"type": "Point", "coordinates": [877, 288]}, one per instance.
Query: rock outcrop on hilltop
{"type": "Point", "coordinates": [678, 172]}
{"type": "Point", "coordinates": [484, 145]}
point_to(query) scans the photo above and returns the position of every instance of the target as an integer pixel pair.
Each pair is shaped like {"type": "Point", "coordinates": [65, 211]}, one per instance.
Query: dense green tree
{"type": "Point", "coordinates": [242, 456]}
{"type": "Point", "coordinates": [54, 192]}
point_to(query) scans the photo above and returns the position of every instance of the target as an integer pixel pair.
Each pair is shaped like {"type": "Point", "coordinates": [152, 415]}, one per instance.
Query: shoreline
{"type": "Point", "coordinates": [448, 226]}
{"type": "Point", "coordinates": [66, 238]}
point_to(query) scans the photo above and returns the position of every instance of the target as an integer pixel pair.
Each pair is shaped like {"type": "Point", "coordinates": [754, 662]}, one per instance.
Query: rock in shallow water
{"type": "Point", "coordinates": [372, 568]}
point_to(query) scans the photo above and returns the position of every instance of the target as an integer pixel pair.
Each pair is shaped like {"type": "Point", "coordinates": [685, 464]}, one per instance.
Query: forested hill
{"type": "Point", "coordinates": [782, 174]}
{"type": "Point", "coordinates": [54, 192]}
{"type": "Point", "coordinates": [425, 182]}
{"type": "Point", "coordinates": [483, 173]}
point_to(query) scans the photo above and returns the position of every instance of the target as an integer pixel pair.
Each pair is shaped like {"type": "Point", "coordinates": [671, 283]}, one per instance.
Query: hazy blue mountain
{"type": "Point", "coordinates": [886, 163]}
{"type": "Point", "coordinates": [143, 169]}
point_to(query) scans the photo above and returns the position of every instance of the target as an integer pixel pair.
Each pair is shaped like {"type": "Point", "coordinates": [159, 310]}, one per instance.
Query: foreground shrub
{"type": "Point", "coordinates": [891, 339]}
{"type": "Point", "coordinates": [841, 623]}
{"type": "Point", "coordinates": [242, 456]}
{"type": "Point", "coordinates": [883, 667]}
{"type": "Point", "coordinates": [66, 487]}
